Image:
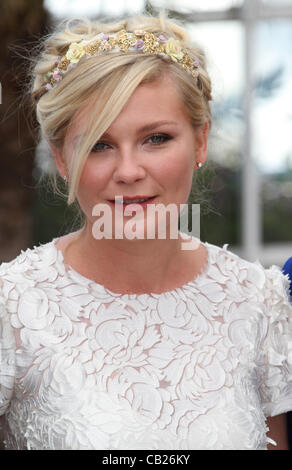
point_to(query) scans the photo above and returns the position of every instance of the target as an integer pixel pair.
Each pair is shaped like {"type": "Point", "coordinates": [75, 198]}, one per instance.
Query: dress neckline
{"type": "Point", "coordinates": [69, 269]}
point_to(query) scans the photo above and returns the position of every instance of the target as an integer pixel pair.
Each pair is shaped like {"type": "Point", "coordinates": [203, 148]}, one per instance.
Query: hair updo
{"type": "Point", "coordinates": [107, 81]}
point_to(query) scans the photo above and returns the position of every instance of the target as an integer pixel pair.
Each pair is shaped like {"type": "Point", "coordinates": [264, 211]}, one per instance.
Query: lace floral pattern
{"type": "Point", "coordinates": [198, 367]}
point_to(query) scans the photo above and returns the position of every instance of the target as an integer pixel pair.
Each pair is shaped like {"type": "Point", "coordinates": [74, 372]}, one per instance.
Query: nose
{"type": "Point", "coordinates": [128, 169]}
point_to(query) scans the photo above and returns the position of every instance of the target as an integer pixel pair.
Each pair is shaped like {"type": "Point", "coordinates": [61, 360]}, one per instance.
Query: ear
{"type": "Point", "coordinates": [59, 160]}
{"type": "Point", "coordinates": [201, 142]}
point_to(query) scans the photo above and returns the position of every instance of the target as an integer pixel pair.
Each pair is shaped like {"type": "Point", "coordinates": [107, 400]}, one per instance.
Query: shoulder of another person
{"type": "Point", "coordinates": [287, 268]}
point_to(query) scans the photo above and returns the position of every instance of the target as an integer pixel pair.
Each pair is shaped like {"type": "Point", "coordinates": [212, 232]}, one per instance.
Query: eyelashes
{"type": "Point", "coordinates": [98, 147]}
{"type": "Point", "coordinates": [155, 140]}
{"type": "Point", "coordinates": [160, 138]}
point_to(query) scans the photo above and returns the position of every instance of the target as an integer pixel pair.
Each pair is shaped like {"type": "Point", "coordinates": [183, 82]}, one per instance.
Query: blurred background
{"type": "Point", "coordinates": [245, 190]}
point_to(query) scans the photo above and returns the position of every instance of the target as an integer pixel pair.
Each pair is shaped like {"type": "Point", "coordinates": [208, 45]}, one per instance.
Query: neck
{"type": "Point", "coordinates": [127, 266]}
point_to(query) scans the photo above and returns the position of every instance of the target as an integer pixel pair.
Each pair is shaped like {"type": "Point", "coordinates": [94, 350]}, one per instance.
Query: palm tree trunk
{"type": "Point", "coordinates": [22, 22]}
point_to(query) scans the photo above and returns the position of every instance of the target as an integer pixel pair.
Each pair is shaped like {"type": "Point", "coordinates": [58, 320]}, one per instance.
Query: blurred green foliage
{"type": "Point", "coordinates": [277, 207]}
{"type": "Point", "coordinates": [217, 189]}
{"type": "Point", "coordinates": [52, 217]}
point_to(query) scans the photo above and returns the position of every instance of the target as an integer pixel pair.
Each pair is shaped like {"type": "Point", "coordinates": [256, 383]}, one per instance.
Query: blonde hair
{"type": "Point", "coordinates": [107, 82]}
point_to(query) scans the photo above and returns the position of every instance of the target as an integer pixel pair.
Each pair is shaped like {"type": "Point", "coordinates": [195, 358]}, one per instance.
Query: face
{"type": "Point", "coordinates": [149, 152]}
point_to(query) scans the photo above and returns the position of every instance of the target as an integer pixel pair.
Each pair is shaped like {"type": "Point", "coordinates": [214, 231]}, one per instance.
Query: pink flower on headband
{"type": "Point", "coordinates": [140, 44]}
{"type": "Point", "coordinates": [162, 38]}
{"type": "Point", "coordinates": [105, 46]}
{"type": "Point", "coordinates": [139, 32]}
{"type": "Point", "coordinates": [57, 75]}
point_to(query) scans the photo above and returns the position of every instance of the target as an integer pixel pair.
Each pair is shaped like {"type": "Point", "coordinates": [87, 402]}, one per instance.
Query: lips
{"type": "Point", "coordinates": [126, 200]}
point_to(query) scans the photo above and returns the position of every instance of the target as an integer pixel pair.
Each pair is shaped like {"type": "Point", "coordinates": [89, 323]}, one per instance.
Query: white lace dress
{"type": "Point", "coordinates": [197, 367]}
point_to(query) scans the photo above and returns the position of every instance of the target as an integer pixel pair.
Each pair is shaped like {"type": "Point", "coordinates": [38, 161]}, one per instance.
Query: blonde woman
{"type": "Point", "coordinates": [131, 342]}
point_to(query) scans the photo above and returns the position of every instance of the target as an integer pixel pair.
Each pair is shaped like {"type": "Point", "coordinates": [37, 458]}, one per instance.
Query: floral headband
{"type": "Point", "coordinates": [138, 41]}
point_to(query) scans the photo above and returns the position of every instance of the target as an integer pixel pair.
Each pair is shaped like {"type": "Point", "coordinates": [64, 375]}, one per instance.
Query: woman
{"type": "Point", "coordinates": [118, 342]}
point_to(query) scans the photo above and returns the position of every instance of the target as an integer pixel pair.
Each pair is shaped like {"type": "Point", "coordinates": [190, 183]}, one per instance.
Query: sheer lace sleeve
{"type": "Point", "coordinates": [276, 349]}
{"type": "Point", "coordinates": [7, 353]}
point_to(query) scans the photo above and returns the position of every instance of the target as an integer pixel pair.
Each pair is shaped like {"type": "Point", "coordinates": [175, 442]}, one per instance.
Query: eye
{"type": "Point", "coordinates": [99, 147]}
{"type": "Point", "coordinates": [158, 139]}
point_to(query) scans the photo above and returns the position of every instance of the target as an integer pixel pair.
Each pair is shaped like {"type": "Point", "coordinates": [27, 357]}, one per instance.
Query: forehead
{"type": "Point", "coordinates": [159, 99]}
{"type": "Point", "coordinates": [153, 101]}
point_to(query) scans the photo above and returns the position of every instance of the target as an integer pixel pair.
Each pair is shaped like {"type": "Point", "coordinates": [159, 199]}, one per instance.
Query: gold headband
{"type": "Point", "coordinates": [122, 41]}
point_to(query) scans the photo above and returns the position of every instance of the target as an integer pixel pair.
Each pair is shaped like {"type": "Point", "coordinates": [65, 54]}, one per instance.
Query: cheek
{"type": "Point", "coordinates": [180, 171]}
{"type": "Point", "coordinates": [93, 181]}
{"type": "Point", "coordinates": [94, 176]}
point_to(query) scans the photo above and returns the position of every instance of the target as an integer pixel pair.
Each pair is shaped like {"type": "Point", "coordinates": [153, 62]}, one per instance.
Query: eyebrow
{"type": "Point", "coordinates": [149, 127]}
{"type": "Point", "coordinates": [146, 128]}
